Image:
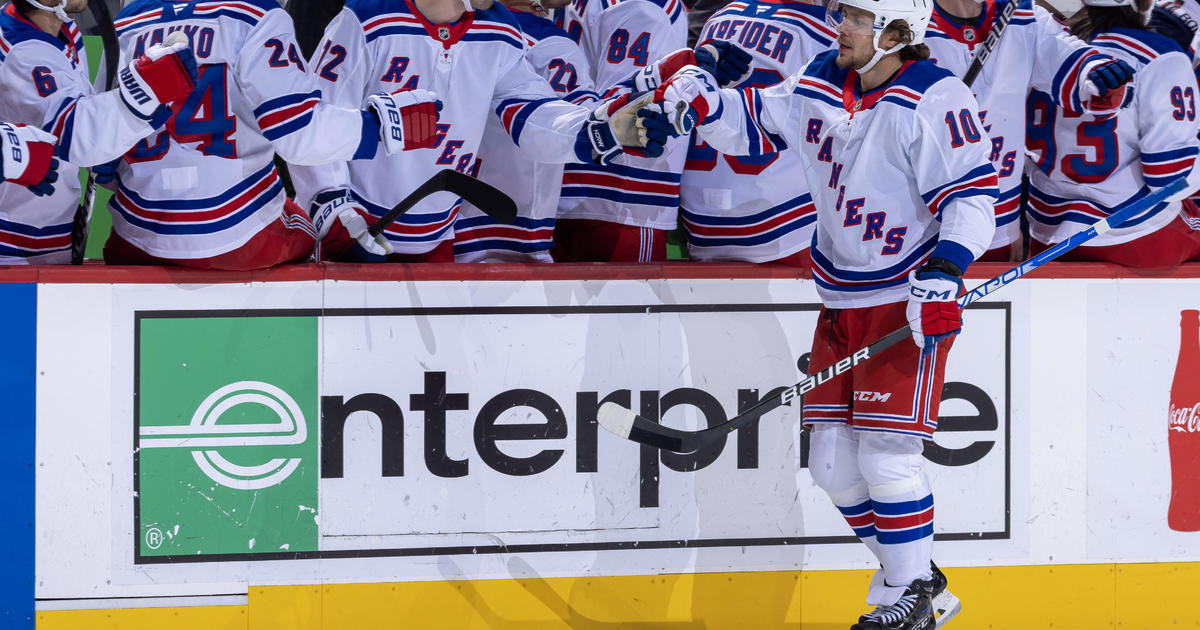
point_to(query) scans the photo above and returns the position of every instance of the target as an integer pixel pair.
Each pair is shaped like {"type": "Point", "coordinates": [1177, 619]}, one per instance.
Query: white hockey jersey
{"type": "Point", "coordinates": [894, 173]}
{"type": "Point", "coordinates": [745, 208]}
{"type": "Point", "coordinates": [476, 66]}
{"type": "Point", "coordinates": [45, 84]}
{"type": "Point", "coordinates": [207, 183]}
{"type": "Point", "coordinates": [620, 37]}
{"type": "Point", "coordinates": [534, 186]}
{"type": "Point", "coordinates": [1089, 167]}
{"type": "Point", "coordinates": [1034, 51]}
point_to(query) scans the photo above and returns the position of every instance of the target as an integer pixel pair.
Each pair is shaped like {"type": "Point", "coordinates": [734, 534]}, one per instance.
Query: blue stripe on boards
{"type": "Point", "coordinates": [17, 386]}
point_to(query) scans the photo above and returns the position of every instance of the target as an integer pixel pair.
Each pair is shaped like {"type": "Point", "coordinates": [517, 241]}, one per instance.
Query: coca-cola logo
{"type": "Point", "coordinates": [1184, 419]}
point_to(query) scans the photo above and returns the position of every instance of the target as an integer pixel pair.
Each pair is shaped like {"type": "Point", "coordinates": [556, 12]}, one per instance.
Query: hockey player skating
{"type": "Point", "coordinates": [1089, 167]}
{"type": "Point", "coordinates": [1032, 52]}
{"type": "Point", "coordinates": [204, 193]}
{"type": "Point", "coordinates": [44, 72]}
{"type": "Point", "coordinates": [474, 60]}
{"type": "Point", "coordinates": [899, 171]}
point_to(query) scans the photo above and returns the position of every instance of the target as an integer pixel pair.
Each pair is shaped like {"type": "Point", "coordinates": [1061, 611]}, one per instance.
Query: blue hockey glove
{"type": "Point", "coordinates": [729, 64]}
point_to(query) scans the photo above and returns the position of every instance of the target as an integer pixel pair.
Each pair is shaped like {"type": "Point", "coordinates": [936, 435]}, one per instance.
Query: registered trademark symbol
{"type": "Point", "coordinates": [154, 538]}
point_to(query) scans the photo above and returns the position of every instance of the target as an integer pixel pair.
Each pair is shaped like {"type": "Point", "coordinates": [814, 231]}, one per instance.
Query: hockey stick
{"type": "Point", "coordinates": [489, 199]}
{"type": "Point", "coordinates": [990, 42]}
{"type": "Point", "coordinates": [624, 423]}
{"type": "Point", "coordinates": [83, 214]}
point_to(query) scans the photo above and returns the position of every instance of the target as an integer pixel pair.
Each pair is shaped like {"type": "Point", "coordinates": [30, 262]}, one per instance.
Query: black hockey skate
{"type": "Point", "coordinates": [945, 603]}
{"type": "Point", "coordinates": [913, 611]}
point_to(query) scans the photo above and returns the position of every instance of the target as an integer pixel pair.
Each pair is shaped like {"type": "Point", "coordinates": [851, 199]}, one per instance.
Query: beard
{"type": "Point", "coordinates": [852, 61]}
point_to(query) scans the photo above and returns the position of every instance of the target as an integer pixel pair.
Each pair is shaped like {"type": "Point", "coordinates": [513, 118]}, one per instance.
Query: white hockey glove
{"type": "Point", "coordinates": [933, 311]}
{"type": "Point", "coordinates": [342, 224]}
{"type": "Point", "coordinates": [27, 158]}
{"type": "Point", "coordinates": [407, 119]}
{"type": "Point", "coordinates": [164, 74]}
{"type": "Point", "coordinates": [688, 99]}
{"type": "Point", "coordinates": [728, 64]}
{"type": "Point", "coordinates": [616, 126]}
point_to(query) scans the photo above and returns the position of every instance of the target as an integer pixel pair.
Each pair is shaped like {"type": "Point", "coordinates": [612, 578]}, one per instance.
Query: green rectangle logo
{"type": "Point", "coordinates": [226, 457]}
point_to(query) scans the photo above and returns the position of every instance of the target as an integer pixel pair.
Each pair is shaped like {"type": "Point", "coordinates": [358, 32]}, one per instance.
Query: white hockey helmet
{"type": "Point", "coordinates": [916, 13]}
{"type": "Point", "coordinates": [59, 10]}
{"type": "Point", "coordinates": [1110, 3]}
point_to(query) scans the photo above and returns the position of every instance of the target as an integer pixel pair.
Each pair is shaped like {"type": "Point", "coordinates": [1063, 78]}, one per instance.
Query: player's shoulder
{"type": "Point", "coordinates": [673, 8]}
{"type": "Point", "coordinates": [141, 13]}
{"type": "Point", "coordinates": [368, 10]}
{"type": "Point", "coordinates": [538, 28]}
{"type": "Point", "coordinates": [809, 19]}
{"type": "Point", "coordinates": [1141, 44]}
{"type": "Point", "coordinates": [1023, 11]}
{"type": "Point", "coordinates": [822, 79]}
{"type": "Point", "coordinates": [15, 29]}
{"type": "Point", "coordinates": [496, 24]}
{"type": "Point", "coordinates": [497, 14]}
{"type": "Point", "coordinates": [924, 82]}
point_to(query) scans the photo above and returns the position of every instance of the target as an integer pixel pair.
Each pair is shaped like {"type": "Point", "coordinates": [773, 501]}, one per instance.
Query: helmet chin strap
{"type": "Point", "coordinates": [59, 10]}
{"type": "Point", "coordinates": [878, 53]}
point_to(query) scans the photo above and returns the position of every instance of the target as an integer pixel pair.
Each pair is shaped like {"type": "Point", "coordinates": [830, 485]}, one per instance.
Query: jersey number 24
{"type": "Point", "coordinates": [204, 118]}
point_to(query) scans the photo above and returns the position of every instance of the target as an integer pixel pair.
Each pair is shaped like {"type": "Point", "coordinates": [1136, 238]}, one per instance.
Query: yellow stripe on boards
{"type": "Point", "coordinates": [207, 617]}
{"type": "Point", "coordinates": [1084, 597]}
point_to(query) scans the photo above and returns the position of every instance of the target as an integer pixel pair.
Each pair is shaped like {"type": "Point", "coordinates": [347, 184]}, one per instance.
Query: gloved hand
{"type": "Point", "coordinates": [933, 311]}
{"type": "Point", "coordinates": [729, 64]}
{"type": "Point", "coordinates": [27, 158]}
{"type": "Point", "coordinates": [407, 119]}
{"type": "Point", "coordinates": [726, 62]}
{"type": "Point", "coordinates": [342, 224]}
{"type": "Point", "coordinates": [1174, 24]}
{"type": "Point", "coordinates": [1106, 83]}
{"type": "Point", "coordinates": [615, 126]}
{"type": "Point", "coordinates": [688, 99]}
{"type": "Point", "coordinates": [105, 173]}
{"type": "Point", "coordinates": [164, 74]}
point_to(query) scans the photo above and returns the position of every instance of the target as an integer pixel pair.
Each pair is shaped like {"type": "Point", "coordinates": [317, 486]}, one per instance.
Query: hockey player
{"type": "Point", "coordinates": [899, 170]}
{"type": "Point", "coordinates": [622, 212]}
{"type": "Point", "coordinates": [44, 71]}
{"type": "Point", "coordinates": [1089, 166]}
{"type": "Point", "coordinates": [27, 158]}
{"type": "Point", "coordinates": [1033, 52]}
{"type": "Point", "coordinates": [204, 193]}
{"type": "Point", "coordinates": [534, 186]}
{"type": "Point", "coordinates": [754, 209]}
{"type": "Point", "coordinates": [474, 60]}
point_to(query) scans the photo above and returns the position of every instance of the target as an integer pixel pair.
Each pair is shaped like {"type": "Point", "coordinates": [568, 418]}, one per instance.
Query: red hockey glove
{"type": "Point", "coordinates": [933, 310]}
{"type": "Point", "coordinates": [407, 119]}
{"type": "Point", "coordinates": [166, 73]}
{"type": "Point", "coordinates": [27, 158]}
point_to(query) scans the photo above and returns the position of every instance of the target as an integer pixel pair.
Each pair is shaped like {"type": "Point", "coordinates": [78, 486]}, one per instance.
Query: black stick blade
{"type": "Point", "coordinates": [624, 423]}
{"type": "Point", "coordinates": [489, 199]}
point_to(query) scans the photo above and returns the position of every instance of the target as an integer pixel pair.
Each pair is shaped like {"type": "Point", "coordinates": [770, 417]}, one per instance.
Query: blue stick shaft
{"type": "Point", "coordinates": [1075, 240]}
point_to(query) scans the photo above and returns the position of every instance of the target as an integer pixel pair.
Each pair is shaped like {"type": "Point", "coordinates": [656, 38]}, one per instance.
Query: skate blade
{"type": "Point", "coordinates": [945, 606]}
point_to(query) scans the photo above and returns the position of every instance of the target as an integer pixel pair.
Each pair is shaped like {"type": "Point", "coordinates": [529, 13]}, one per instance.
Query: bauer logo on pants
{"type": "Point", "coordinates": [227, 451]}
